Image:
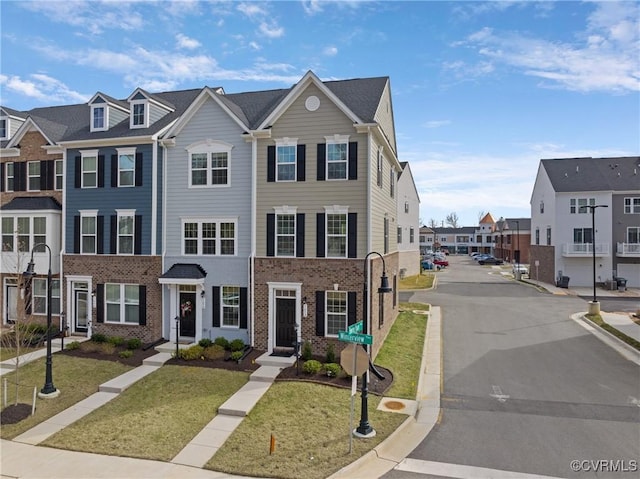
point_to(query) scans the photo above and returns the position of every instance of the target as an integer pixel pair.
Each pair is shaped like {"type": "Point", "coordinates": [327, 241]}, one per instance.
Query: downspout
{"type": "Point", "coordinates": [63, 236]}
{"type": "Point", "coordinates": [252, 255]}
{"type": "Point", "coordinates": [154, 196]}
{"type": "Point", "coordinates": [165, 334]}
{"type": "Point", "coordinates": [369, 195]}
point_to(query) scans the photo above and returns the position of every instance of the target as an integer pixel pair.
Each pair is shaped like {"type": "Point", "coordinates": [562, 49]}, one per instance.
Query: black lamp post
{"type": "Point", "coordinates": [49, 390]}
{"type": "Point", "coordinates": [593, 244]}
{"type": "Point", "coordinates": [365, 429]}
{"type": "Point", "coordinates": [517, 252]}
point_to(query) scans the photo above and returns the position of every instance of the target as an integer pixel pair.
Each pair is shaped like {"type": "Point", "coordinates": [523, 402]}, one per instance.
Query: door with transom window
{"type": "Point", "coordinates": [285, 319]}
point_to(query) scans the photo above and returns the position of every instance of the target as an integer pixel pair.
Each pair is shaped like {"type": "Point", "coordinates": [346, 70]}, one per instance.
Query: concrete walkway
{"type": "Point", "coordinates": [9, 365]}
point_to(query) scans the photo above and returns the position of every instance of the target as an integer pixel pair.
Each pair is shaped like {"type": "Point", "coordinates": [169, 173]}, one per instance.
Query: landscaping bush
{"type": "Point", "coordinates": [237, 355]}
{"type": "Point", "coordinates": [220, 341]}
{"type": "Point", "coordinates": [134, 343]}
{"type": "Point", "coordinates": [332, 369]}
{"type": "Point", "coordinates": [116, 340]}
{"type": "Point", "coordinates": [91, 346]}
{"type": "Point", "coordinates": [73, 345]}
{"type": "Point", "coordinates": [107, 348]}
{"type": "Point", "coordinates": [330, 356]}
{"type": "Point", "coordinates": [99, 338]}
{"type": "Point", "coordinates": [205, 342]}
{"type": "Point", "coordinates": [236, 345]}
{"type": "Point", "coordinates": [312, 366]}
{"type": "Point", "coordinates": [127, 353]}
{"type": "Point", "coordinates": [214, 352]}
{"type": "Point", "coordinates": [32, 329]}
{"type": "Point", "coordinates": [307, 351]}
{"type": "Point", "coordinates": [189, 354]}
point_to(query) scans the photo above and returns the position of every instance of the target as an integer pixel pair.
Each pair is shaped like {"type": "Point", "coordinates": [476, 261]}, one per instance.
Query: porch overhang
{"type": "Point", "coordinates": [184, 273]}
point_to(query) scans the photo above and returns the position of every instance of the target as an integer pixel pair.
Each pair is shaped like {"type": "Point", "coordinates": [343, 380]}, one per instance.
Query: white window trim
{"type": "Point", "coordinates": [222, 306]}
{"type": "Point", "coordinates": [286, 210]}
{"type": "Point", "coordinates": [630, 208]}
{"type": "Point", "coordinates": [326, 312]}
{"type": "Point", "coordinates": [31, 234]}
{"type": "Point", "coordinates": [145, 123]}
{"type": "Point", "coordinates": [208, 147]}
{"type": "Point", "coordinates": [7, 176]}
{"type": "Point", "coordinates": [284, 142]}
{"type": "Point", "coordinates": [56, 175]}
{"type": "Point", "coordinates": [218, 239]}
{"type": "Point", "coordinates": [29, 175]}
{"type": "Point", "coordinates": [335, 210]}
{"type": "Point", "coordinates": [122, 304]}
{"type": "Point", "coordinates": [7, 125]}
{"type": "Point", "coordinates": [337, 140]}
{"type": "Point", "coordinates": [88, 154]}
{"type": "Point", "coordinates": [105, 127]}
{"type": "Point", "coordinates": [89, 214]}
{"type": "Point", "coordinates": [124, 214]}
{"type": "Point", "coordinates": [126, 152]}
{"type": "Point", "coordinates": [629, 230]}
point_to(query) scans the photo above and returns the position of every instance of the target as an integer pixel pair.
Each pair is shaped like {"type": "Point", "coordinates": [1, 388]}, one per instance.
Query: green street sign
{"type": "Point", "coordinates": [355, 328]}
{"type": "Point", "coordinates": [355, 338]}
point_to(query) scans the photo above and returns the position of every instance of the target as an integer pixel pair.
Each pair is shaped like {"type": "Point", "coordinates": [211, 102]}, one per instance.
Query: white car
{"type": "Point", "coordinates": [520, 268]}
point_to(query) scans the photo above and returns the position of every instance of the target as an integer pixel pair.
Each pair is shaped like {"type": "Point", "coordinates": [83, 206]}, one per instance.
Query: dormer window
{"type": "Point", "coordinates": [98, 117]}
{"type": "Point", "coordinates": [4, 128]}
{"type": "Point", "coordinates": [139, 114]}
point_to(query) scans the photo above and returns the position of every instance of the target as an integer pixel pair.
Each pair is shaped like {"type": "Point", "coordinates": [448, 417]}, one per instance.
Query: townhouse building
{"type": "Point", "coordinates": [408, 215]}
{"type": "Point", "coordinates": [512, 237]}
{"type": "Point", "coordinates": [427, 238]}
{"type": "Point", "coordinates": [569, 196]}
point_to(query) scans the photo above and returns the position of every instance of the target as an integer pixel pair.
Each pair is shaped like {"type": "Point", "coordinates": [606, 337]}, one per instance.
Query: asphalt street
{"type": "Point", "coordinates": [526, 390]}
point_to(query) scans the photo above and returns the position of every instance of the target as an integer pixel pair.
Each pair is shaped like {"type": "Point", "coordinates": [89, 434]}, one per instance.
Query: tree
{"type": "Point", "coordinates": [432, 223]}
{"type": "Point", "coordinates": [452, 219]}
{"type": "Point", "coordinates": [481, 214]}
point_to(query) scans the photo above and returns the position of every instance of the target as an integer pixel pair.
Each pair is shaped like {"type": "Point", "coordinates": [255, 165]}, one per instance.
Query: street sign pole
{"type": "Point", "coordinates": [354, 382]}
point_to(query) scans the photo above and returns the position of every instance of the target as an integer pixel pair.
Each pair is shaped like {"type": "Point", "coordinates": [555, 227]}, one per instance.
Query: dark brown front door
{"type": "Point", "coordinates": [188, 314]}
{"type": "Point", "coordinates": [285, 322]}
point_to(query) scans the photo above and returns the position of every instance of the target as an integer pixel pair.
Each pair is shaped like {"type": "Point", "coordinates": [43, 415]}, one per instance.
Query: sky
{"type": "Point", "coordinates": [481, 91]}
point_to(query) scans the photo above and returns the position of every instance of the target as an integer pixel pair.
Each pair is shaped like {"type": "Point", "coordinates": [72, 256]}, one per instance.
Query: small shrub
{"type": "Point", "coordinates": [91, 346]}
{"type": "Point", "coordinates": [127, 353]}
{"type": "Point", "coordinates": [116, 340]}
{"type": "Point", "coordinates": [99, 338]}
{"type": "Point", "coordinates": [194, 352]}
{"type": "Point", "coordinates": [331, 354]}
{"type": "Point", "coordinates": [107, 348]}
{"type": "Point", "coordinates": [205, 342]}
{"type": "Point", "coordinates": [73, 345]}
{"type": "Point", "coordinates": [32, 329]}
{"type": "Point", "coordinates": [236, 355]}
{"type": "Point", "coordinates": [220, 341]}
{"type": "Point", "coordinates": [312, 366]}
{"type": "Point", "coordinates": [332, 369]}
{"type": "Point", "coordinates": [236, 345]}
{"type": "Point", "coordinates": [134, 343]}
{"type": "Point", "coordinates": [307, 352]}
{"type": "Point", "coordinates": [214, 352]}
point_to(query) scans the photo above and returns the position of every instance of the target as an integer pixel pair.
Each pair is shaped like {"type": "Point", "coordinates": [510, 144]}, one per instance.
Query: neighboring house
{"type": "Point", "coordinates": [561, 220]}
{"type": "Point", "coordinates": [31, 183]}
{"type": "Point", "coordinates": [456, 240]}
{"type": "Point", "coordinates": [427, 238]}
{"type": "Point", "coordinates": [512, 235]}
{"type": "Point", "coordinates": [408, 223]}
{"type": "Point", "coordinates": [483, 235]}
{"type": "Point", "coordinates": [113, 214]}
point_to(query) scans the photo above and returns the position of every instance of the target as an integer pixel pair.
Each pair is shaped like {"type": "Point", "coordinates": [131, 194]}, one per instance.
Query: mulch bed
{"type": "Point", "coordinates": [248, 363]}
{"type": "Point", "coordinates": [139, 355]}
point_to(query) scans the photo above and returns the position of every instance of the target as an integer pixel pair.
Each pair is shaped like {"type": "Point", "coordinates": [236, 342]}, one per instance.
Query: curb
{"type": "Point", "coordinates": [627, 351]}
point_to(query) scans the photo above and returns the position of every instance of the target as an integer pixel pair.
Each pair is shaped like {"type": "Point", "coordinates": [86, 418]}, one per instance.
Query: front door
{"type": "Point", "coordinates": [81, 309]}
{"type": "Point", "coordinates": [187, 314]}
{"type": "Point", "coordinates": [285, 322]}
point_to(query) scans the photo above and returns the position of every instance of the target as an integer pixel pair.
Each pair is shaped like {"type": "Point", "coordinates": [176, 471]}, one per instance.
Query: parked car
{"type": "Point", "coordinates": [520, 267]}
{"type": "Point", "coordinates": [490, 260]}
{"type": "Point", "coordinates": [441, 262]}
{"type": "Point", "coordinates": [480, 256]}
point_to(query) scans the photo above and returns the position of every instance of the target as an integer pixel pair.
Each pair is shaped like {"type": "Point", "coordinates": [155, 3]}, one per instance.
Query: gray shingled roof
{"type": "Point", "coordinates": [593, 174]}
{"type": "Point", "coordinates": [185, 271]}
{"type": "Point", "coordinates": [462, 230]}
{"type": "Point", "coordinates": [524, 224]}
{"type": "Point", "coordinates": [32, 203]}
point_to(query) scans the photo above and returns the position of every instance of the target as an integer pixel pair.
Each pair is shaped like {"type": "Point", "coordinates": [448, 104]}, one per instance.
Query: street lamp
{"type": "Point", "coordinates": [595, 307]}
{"type": "Point", "coordinates": [49, 390]}
{"type": "Point", "coordinates": [365, 429]}
{"type": "Point", "coordinates": [517, 252]}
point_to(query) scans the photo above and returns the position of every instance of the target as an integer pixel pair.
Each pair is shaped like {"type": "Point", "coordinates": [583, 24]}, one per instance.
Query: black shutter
{"type": "Point", "coordinates": [47, 169]}
{"type": "Point", "coordinates": [138, 181]}
{"type": "Point", "coordinates": [321, 157]}
{"type": "Point", "coordinates": [216, 306]}
{"type": "Point", "coordinates": [243, 308]}
{"type": "Point", "coordinates": [351, 307]}
{"type": "Point", "coordinates": [20, 176]}
{"type": "Point", "coordinates": [352, 235]}
{"type": "Point", "coordinates": [100, 235]}
{"type": "Point", "coordinates": [100, 303]}
{"type": "Point", "coordinates": [300, 235]}
{"type": "Point", "coordinates": [271, 163]}
{"type": "Point", "coordinates": [113, 235]}
{"type": "Point", "coordinates": [2, 178]}
{"type": "Point", "coordinates": [320, 235]}
{"type": "Point", "coordinates": [114, 171]}
{"type": "Point", "coordinates": [100, 171]}
{"type": "Point", "coordinates": [301, 160]}
{"type": "Point", "coordinates": [319, 313]}
{"type": "Point", "coordinates": [78, 172]}
{"type": "Point", "coordinates": [142, 305]}
{"type": "Point", "coordinates": [137, 234]}
{"type": "Point", "coordinates": [76, 234]}
{"type": "Point", "coordinates": [271, 234]}
{"type": "Point", "coordinates": [353, 160]}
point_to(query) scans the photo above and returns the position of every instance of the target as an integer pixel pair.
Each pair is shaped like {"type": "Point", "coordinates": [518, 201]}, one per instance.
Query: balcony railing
{"type": "Point", "coordinates": [628, 249]}
{"type": "Point", "coordinates": [584, 249]}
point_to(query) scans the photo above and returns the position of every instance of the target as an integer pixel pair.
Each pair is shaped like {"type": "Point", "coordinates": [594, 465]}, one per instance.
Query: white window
{"type": "Point", "coordinates": [336, 229]}
{"type": "Point", "coordinates": [633, 234]}
{"type": "Point", "coordinates": [33, 174]}
{"type": "Point", "coordinates": [4, 128]}
{"type": "Point", "coordinates": [88, 232]}
{"type": "Point", "coordinates": [406, 206]}
{"type": "Point", "coordinates": [39, 296]}
{"type": "Point", "coordinates": [411, 234]}
{"type": "Point", "coordinates": [582, 236]}
{"type": "Point", "coordinates": [379, 168]}
{"type": "Point", "coordinates": [139, 114]}
{"type": "Point", "coordinates": [392, 182]}
{"type": "Point", "coordinates": [122, 303]}
{"type": "Point", "coordinates": [89, 167]}
{"type": "Point", "coordinates": [336, 312]}
{"type": "Point", "coordinates": [9, 176]}
{"type": "Point", "coordinates": [23, 231]}
{"type": "Point", "coordinates": [59, 174]}
{"type": "Point", "coordinates": [126, 166]}
{"type": "Point", "coordinates": [209, 237]}
{"type": "Point", "coordinates": [8, 232]}
{"type": "Point", "coordinates": [286, 150]}
{"type": "Point", "coordinates": [98, 117]}
{"type": "Point", "coordinates": [337, 157]}
{"type": "Point", "coordinates": [579, 205]}
{"type": "Point", "coordinates": [230, 305]}
{"type": "Point", "coordinates": [285, 234]}
{"type": "Point", "coordinates": [209, 164]}
{"type": "Point", "coordinates": [125, 231]}
{"type": "Point", "coordinates": [631, 206]}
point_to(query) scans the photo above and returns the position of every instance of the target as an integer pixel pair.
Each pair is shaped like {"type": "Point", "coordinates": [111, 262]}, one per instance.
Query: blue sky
{"type": "Point", "coordinates": [481, 91]}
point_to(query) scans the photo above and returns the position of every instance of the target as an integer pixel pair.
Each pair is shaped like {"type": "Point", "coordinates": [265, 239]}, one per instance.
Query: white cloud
{"type": "Point", "coordinates": [186, 42]}
{"type": "Point", "coordinates": [251, 10]}
{"type": "Point", "coordinates": [437, 123]}
{"type": "Point", "coordinates": [255, 45]}
{"type": "Point", "coordinates": [330, 51]}
{"type": "Point", "coordinates": [271, 30]}
{"type": "Point", "coordinates": [43, 88]}
{"type": "Point", "coordinates": [312, 7]}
